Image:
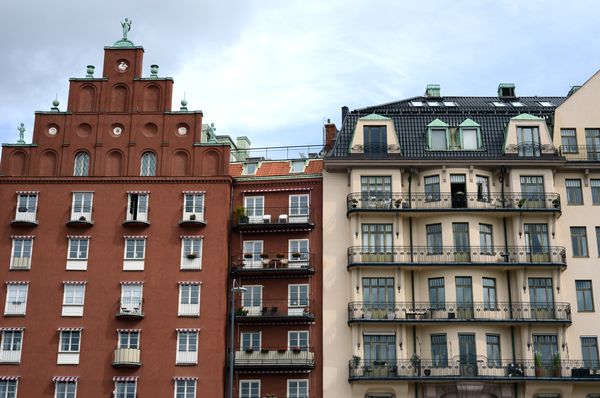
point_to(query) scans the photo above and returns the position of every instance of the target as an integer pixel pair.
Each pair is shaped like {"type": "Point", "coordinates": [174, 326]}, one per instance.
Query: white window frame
{"type": "Point", "coordinates": [73, 299]}
{"type": "Point", "coordinates": [295, 246]}
{"type": "Point", "coordinates": [67, 393]}
{"type": "Point", "coordinates": [125, 393]}
{"type": "Point", "coordinates": [186, 393]}
{"type": "Point", "coordinates": [250, 168]}
{"type": "Point", "coordinates": [251, 334]}
{"type": "Point", "coordinates": [141, 213]}
{"type": "Point", "coordinates": [297, 166]}
{"type": "Point", "coordinates": [79, 211]}
{"type": "Point", "coordinates": [255, 212]}
{"type": "Point", "coordinates": [24, 200]}
{"type": "Point", "coordinates": [295, 308]}
{"type": "Point", "coordinates": [189, 309]}
{"type": "Point", "coordinates": [16, 299]}
{"type": "Point", "coordinates": [250, 383]}
{"type": "Point", "coordinates": [148, 164]}
{"type": "Point", "coordinates": [255, 247]}
{"type": "Point", "coordinates": [253, 310]}
{"type": "Point", "coordinates": [191, 245]}
{"type": "Point", "coordinates": [81, 164]}
{"type": "Point", "coordinates": [78, 263]}
{"type": "Point", "coordinates": [11, 355]}
{"type": "Point", "coordinates": [132, 261]}
{"type": "Point", "coordinates": [128, 302]}
{"type": "Point", "coordinates": [68, 356]}
{"type": "Point", "coordinates": [290, 381]}
{"type": "Point", "coordinates": [9, 381]}
{"type": "Point", "coordinates": [187, 356]}
{"type": "Point", "coordinates": [23, 261]}
{"type": "Point", "coordinates": [298, 213]}
{"type": "Point", "coordinates": [298, 333]}
{"type": "Point", "coordinates": [129, 333]}
{"type": "Point", "coordinates": [197, 205]}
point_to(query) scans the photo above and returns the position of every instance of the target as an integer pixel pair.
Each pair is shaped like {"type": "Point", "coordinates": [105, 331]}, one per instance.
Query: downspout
{"type": "Point", "coordinates": [230, 297]}
{"type": "Point", "coordinates": [412, 273]}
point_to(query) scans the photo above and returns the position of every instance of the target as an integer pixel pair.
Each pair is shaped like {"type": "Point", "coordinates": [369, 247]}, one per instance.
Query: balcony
{"type": "Point", "coordinates": [276, 311]}
{"type": "Point", "coordinates": [284, 358]}
{"type": "Point", "coordinates": [280, 263]}
{"type": "Point", "coordinates": [453, 202]}
{"type": "Point", "coordinates": [136, 219]}
{"type": "Point", "coordinates": [20, 263]}
{"type": "Point", "coordinates": [81, 220]}
{"type": "Point", "coordinates": [127, 358]}
{"type": "Point", "coordinates": [476, 368]}
{"type": "Point", "coordinates": [274, 219]}
{"type": "Point", "coordinates": [130, 311]}
{"type": "Point", "coordinates": [580, 153]}
{"type": "Point", "coordinates": [443, 256]}
{"type": "Point", "coordinates": [192, 220]}
{"type": "Point", "coordinates": [10, 356]}
{"type": "Point", "coordinates": [15, 308]}
{"type": "Point", "coordinates": [451, 312]}
{"type": "Point", "coordinates": [24, 218]}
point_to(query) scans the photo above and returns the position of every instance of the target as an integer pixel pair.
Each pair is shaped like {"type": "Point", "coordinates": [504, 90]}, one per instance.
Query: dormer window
{"type": "Point", "coordinates": [250, 168]}
{"type": "Point", "coordinates": [470, 135]}
{"type": "Point", "coordinates": [528, 141]}
{"type": "Point", "coordinates": [375, 140]}
{"type": "Point", "coordinates": [437, 135]}
{"type": "Point", "coordinates": [297, 166]}
{"type": "Point", "coordinates": [441, 137]}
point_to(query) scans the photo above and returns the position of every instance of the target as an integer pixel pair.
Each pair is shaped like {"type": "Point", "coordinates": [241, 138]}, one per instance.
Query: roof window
{"type": "Point", "coordinates": [498, 104]}
{"type": "Point", "coordinates": [546, 103]}
{"type": "Point", "coordinates": [297, 166]}
{"type": "Point", "coordinates": [433, 103]}
{"type": "Point", "coordinates": [250, 169]}
{"type": "Point", "coordinates": [517, 104]}
{"type": "Point", "coordinates": [417, 103]}
{"type": "Point", "coordinates": [449, 103]}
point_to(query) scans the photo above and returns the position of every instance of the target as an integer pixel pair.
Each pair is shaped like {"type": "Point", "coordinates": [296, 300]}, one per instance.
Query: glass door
{"type": "Point", "coordinates": [528, 140]}
{"type": "Point", "coordinates": [460, 230]}
{"type": "Point", "coordinates": [252, 300]}
{"type": "Point", "coordinates": [536, 242]}
{"type": "Point", "coordinates": [592, 141]}
{"type": "Point", "coordinates": [378, 298]}
{"type": "Point", "coordinates": [532, 192]}
{"type": "Point", "coordinates": [467, 355]}
{"type": "Point", "coordinates": [252, 251]}
{"type": "Point", "coordinates": [464, 297]}
{"type": "Point", "coordinates": [377, 243]}
{"type": "Point", "coordinates": [545, 347]}
{"type": "Point", "coordinates": [541, 298]}
{"type": "Point", "coordinates": [380, 354]}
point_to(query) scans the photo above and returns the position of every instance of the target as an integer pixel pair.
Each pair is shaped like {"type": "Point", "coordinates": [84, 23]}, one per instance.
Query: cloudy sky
{"type": "Point", "coordinates": [275, 70]}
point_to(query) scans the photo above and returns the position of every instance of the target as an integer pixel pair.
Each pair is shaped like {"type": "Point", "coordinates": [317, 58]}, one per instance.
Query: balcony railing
{"type": "Point", "coordinates": [25, 217]}
{"type": "Point", "coordinates": [276, 310]}
{"type": "Point", "coordinates": [127, 357]}
{"type": "Point", "coordinates": [274, 262]}
{"type": "Point", "coordinates": [13, 356]}
{"type": "Point", "coordinates": [130, 310]}
{"type": "Point", "coordinates": [425, 312]}
{"type": "Point", "coordinates": [445, 201]}
{"type": "Point", "coordinates": [20, 263]}
{"type": "Point", "coordinates": [449, 255]}
{"type": "Point", "coordinates": [15, 308]}
{"type": "Point", "coordinates": [580, 153]}
{"type": "Point", "coordinates": [137, 218]}
{"type": "Point", "coordinates": [275, 218]}
{"type": "Point", "coordinates": [478, 367]}
{"type": "Point", "coordinates": [270, 357]}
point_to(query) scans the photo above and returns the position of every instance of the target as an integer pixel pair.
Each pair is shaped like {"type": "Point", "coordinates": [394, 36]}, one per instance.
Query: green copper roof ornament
{"type": "Point", "coordinates": [55, 104]}
{"type": "Point", "coordinates": [90, 71]}
{"type": "Point", "coordinates": [184, 103]}
{"type": "Point", "coordinates": [125, 42]}
{"type": "Point", "coordinates": [154, 71]}
{"type": "Point", "coordinates": [21, 129]}
{"type": "Point", "coordinates": [211, 137]}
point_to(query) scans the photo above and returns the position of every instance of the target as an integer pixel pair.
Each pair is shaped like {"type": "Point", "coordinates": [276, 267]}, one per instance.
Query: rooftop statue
{"type": "Point", "coordinates": [126, 27]}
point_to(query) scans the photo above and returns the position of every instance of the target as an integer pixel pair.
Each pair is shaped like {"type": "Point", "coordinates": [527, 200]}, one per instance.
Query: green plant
{"type": "Point", "coordinates": [537, 359]}
{"type": "Point", "coordinates": [248, 255]}
{"type": "Point", "coordinates": [556, 360]}
{"type": "Point", "coordinates": [296, 255]}
{"type": "Point", "coordinates": [398, 202]}
{"type": "Point", "coordinates": [356, 360]}
{"type": "Point", "coordinates": [241, 311]}
{"type": "Point", "coordinates": [354, 202]}
{"type": "Point", "coordinates": [521, 202]}
{"type": "Point", "coordinates": [280, 255]}
{"type": "Point", "coordinates": [240, 214]}
{"type": "Point", "coordinates": [192, 217]}
{"type": "Point", "coordinates": [556, 203]}
{"type": "Point", "coordinates": [264, 256]}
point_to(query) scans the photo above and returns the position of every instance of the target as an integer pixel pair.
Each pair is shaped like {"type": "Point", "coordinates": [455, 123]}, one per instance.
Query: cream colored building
{"type": "Point", "coordinates": [461, 247]}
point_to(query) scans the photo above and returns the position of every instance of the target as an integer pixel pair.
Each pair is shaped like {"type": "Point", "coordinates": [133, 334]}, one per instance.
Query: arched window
{"type": "Point", "coordinates": [148, 164]}
{"type": "Point", "coordinates": [81, 165]}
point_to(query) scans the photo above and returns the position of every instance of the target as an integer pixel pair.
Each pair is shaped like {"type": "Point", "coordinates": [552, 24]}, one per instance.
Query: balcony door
{"type": "Point", "coordinates": [375, 140]}
{"type": "Point", "coordinates": [460, 231]}
{"type": "Point", "coordinates": [252, 300]}
{"type": "Point", "coordinates": [536, 242]}
{"type": "Point", "coordinates": [467, 355]}
{"type": "Point", "coordinates": [255, 208]}
{"type": "Point", "coordinates": [252, 251]}
{"type": "Point", "coordinates": [532, 191]}
{"type": "Point", "coordinates": [379, 354]}
{"type": "Point", "coordinates": [458, 190]}
{"type": "Point", "coordinates": [541, 298]}
{"type": "Point", "coordinates": [464, 297]}
{"type": "Point", "coordinates": [376, 191]}
{"type": "Point", "coordinates": [377, 242]}
{"type": "Point", "coordinates": [378, 298]}
{"type": "Point", "coordinates": [592, 141]}
{"type": "Point", "coordinates": [528, 140]}
{"type": "Point", "coordinates": [545, 345]}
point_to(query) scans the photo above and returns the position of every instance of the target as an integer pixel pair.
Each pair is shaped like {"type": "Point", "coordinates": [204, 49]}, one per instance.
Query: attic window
{"type": "Point", "coordinates": [417, 103]}
{"type": "Point", "coordinates": [438, 139]}
{"type": "Point", "coordinates": [449, 103]}
{"type": "Point", "coordinates": [517, 104]}
{"type": "Point", "coordinates": [250, 169]}
{"type": "Point", "coordinates": [433, 103]}
{"type": "Point", "coordinates": [498, 104]}
{"type": "Point", "coordinates": [297, 166]}
{"type": "Point", "coordinates": [546, 103]}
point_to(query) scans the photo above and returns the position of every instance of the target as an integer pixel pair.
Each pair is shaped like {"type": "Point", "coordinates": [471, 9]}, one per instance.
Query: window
{"type": "Point", "coordinates": [592, 142]}
{"type": "Point", "coordinates": [65, 389]}
{"type": "Point", "coordinates": [574, 195]}
{"type": "Point", "coordinates": [489, 293]}
{"type": "Point", "coordinates": [148, 164]}
{"type": "Point", "coordinates": [255, 208]}
{"type": "Point", "coordinates": [585, 296]}
{"type": "Point", "coordinates": [252, 252]}
{"type": "Point", "coordinates": [433, 103]}
{"type": "Point", "coordinates": [517, 104]}
{"type": "Point", "coordinates": [252, 300]}
{"type": "Point", "coordinates": [249, 388]}
{"type": "Point", "coordinates": [68, 352]}
{"type": "Point", "coordinates": [376, 188]}
{"type": "Point", "coordinates": [250, 340]}
{"type": "Point", "coordinates": [125, 388]}
{"type": "Point", "coordinates": [547, 346]}
{"type": "Point", "coordinates": [189, 299]}
{"type": "Point", "coordinates": [81, 209]}
{"type": "Point", "coordinates": [134, 253]}
{"type": "Point", "coordinates": [486, 240]}
{"type": "Point", "coordinates": [297, 388]}
{"type": "Point", "coordinates": [26, 208]}
{"type": "Point", "coordinates": [298, 246]}
{"type": "Point", "coordinates": [528, 141]}
{"type": "Point", "coordinates": [375, 140]}
{"type": "Point", "coordinates": [8, 387]}
{"type": "Point", "coordinates": [499, 104]}
{"type": "Point", "coordinates": [546, 103]}
{"type": "Point", "coordinates": [298, 340]}
{"type": "Point", "coordinates": [536, 242]}
{"type": "Point", "coordinates": [493, 351]}
{"type": "Point", "coordinates": [131, 298]}
{"type": "Point", "coordinates": [434, 238]}
{"type": "Point", "coordinates": [81, 166]}
{"type": "Point", "coordinates": [598, 240]}
{"type": "Point", "coordinates": [21, 252]}
{"type": "Point", "coordinates": [11, 345]}
{"type": "Point", "coordinates": [73, 299]}
{"type": "Point", "coordinates": [129, 339]}
{"type": "Point", "coordinates": [439, 351]}
{"type": "Point", "coordinates": [187, 347]}
{"type": "Point", "coordinates": [568, 141]}
{"type": "Point", "coordinates": [432, 188]}
{"type": "Point", "coordinates": [532, 190]}
{"type": "Point", "coordinates": [460, 234]}
{"type": "Point", "coordinates": [378, 293]}
{"type": "Point", "coordinates": [298, 299]}
{"type": "Point", "coordinates": [193, 206]}
{"type": "Point", "coordinates": [377, 239]}
{"type": "Point", "coordinates": [379, 347]}
{"type": "Point", "coordinates": [299, 210]}
{"type": "Point", "coordinates": [438, 139]}
{"type": "Point", "coordinates": [470, 138]}
{"type": "Point", "coordinates": [417, 103]}
{"type": "Point", "coordinates": [137, 207]}
{"type": "Point", "coordinates": [449, 103]}
{"type": "Point", "coordinates": [77, 254]}
{"type": "Point", "coordinates": [483, 188]}
{"type": "Point", "coordinates": [589, 351]}
{"type": "Point", "coordinates": [579, 241]}
{"type": "Point", "coordinates": [185, 388]}
{"type": "Point", "coordinates": [16, 299]}
{"type": "Point", "coordinates": [297, 166]}
{"type": "Point", "coordinates": [437, 293]}
{"type": "Point", "coordinates": [595, 187]}
{"type": "Point", "coordinates": [464, 296]}
{"type": "Point", "coordinates": [250, 168]}
{"type": "Point", "coordinates": [191, 253]}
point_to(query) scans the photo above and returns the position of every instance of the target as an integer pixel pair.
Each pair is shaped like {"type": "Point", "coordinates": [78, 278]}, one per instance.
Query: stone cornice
{"type": "Point", "coordinates": [115, 180]}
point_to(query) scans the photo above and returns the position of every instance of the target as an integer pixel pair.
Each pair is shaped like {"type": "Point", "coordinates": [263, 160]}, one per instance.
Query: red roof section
{"type": "Point", "coordinates": [277, 168]}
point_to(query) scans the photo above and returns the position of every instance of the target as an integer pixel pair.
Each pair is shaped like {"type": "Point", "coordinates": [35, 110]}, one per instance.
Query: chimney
{"type": "Point", "coordinates": [506, 90]}
{"type": "Point", "coordinates": [345, 111]}
{"type": "Point", "coordinates": [433, 91]}
{"type": "Point", "coordinates": [330, 133]}
{"type": "Point", "coordinates": [573, 90]}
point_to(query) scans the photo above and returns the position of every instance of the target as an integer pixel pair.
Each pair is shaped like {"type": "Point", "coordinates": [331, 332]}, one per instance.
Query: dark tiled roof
{"type": "Point", "coordinates": [411, 123]}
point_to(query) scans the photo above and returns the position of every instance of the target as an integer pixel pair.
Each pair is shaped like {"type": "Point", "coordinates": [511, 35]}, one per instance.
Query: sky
{"type": "Point", "coordinates": [275, 71]}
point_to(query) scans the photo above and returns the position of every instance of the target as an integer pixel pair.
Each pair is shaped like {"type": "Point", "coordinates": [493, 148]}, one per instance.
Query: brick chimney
{"type": "Point", "coordinates": [330, 133]}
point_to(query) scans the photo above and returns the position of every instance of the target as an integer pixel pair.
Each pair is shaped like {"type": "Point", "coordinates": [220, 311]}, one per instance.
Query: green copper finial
{"type": "Point", "coordinates": [183, 103]}
{"type": "Point", "coordinates": [90, 71]}
{"type": "Point", "coordinates": [21, 129]}
{"type": "Point", "coordinates": [125, 42]}
{"type": "Point", "coordinates": [55, 104]}
{"type": "Point", "coordinates": [154, 71]}
{"type": "Point", "coordinates": [211, 136]}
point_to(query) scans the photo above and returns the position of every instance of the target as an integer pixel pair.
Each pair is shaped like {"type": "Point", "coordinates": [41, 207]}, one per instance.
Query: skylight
{"type": "Point", "coordinates": [449, 103]}
{"type": "Point", "coordinates": [433, 103]}
{"type": "Point", "coordinates": [499, 104]}
{"type": "Point", "coordinates": [546, 103]}
{"type": "Point", "coordinates": [250, 168]}
{"type": "Point", "coordinates": [517, 104]}
{"type": "Point", "coordinates": [417, 103]}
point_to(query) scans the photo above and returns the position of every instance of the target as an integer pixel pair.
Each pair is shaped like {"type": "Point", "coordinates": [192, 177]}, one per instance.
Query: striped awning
{"type": "Point", "coordinates": [185, 378]}
{"type": "Point", "coordinates": [65, 378]}
{"type": "Point", "coordinates": [191, 236]}
{"type": "Point", "coordinates": [29, 192]}
{"type": "Point", "coordinates": [22, 236]}
{"type": "Point", "coordinates": [9, 378]}
{"type": "Point", "coordinates": [79, 237]}
{"type": "Point", "coordinates": [132, 282]}
{"type": "Point", "coordinates": [189, 283]}
{"type": "Point", "coordinates": [194, 192]}
{"type": "Point", "coordinates": [276, 190]}
{"type": "Point", "coordinates": [11, 329]}
{"type": "Point", "coordinates": [138, 192]}
{"type": "Point", "coordinates": [187, 329]}
{"type": "Point", "coordinates": [125, 378]}
{"type": "Point", "coordinates": [74, 283]}
{"type": "Point", "coordinates": [129, 330]}
{"type": "Point", "coordinates": [135, 236]}
{"type": "Point", "coordinates": [71, 329]}
{"type": "Point", "coordinates": [17, 282]}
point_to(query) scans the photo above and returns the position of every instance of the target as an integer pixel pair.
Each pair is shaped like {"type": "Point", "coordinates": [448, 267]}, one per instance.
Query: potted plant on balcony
{"type": "Point", "coordinates": [556, 366]}
{"type": "Point", "coordinates": [264, 350]}
{"type": "Point", "coordinates": [192, 217]}
{"type": "Point", "coordinates": [241, 311]}
{"type": "Point", "coordinates": [249, 350]}
{"type": "Point", "coordinates": [355, 361]}
{"type": "Point", "coordinates": [282, 259]}
{"type": "Point", "coordinates": [556, 203]}
{"type": "Point", "coordinates": [191, 255]}
{"type": "Point", "coordinates": [398, 203]}
{"type": "Point", "coordinates": [296, 255]}
{"type": "Point", "coordinates": [296, 350]}
{"type": "Point", "coordinates": [521, 202]}
{"type": "Point", "coordinates": [240, 214]}
{"type": "Point", "coordinates": [265, 258]}
{"type": "Point", "coordinates": [415, 361]}
{"type": "Point", "coordinates": [248, 255]}
{"type": "Point", "coordinates": [281, 350]}
{"type": "Point", "coordinates": [354, 203]}
{"type": "Point", "coordinates": [537, 361]}
{"type": "Point", "coordinates": [82, 218]}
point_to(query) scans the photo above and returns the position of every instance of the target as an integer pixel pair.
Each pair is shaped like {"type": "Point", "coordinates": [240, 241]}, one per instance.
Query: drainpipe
{"type": "Point", "coordinates": [412, 273]}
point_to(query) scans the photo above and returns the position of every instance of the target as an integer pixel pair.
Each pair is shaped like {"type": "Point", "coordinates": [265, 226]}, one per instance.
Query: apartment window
{"type": "Point", "coordinates": [298, 340]}
{"type": "Point", "coordinates": [598, 240]}
{"type": "Point", "coordinates": [579, 241]}
{"type": "Point", "coordinates": [250, 340]}
{"type": "Point", "coordinates": [191, 253]}
{"type": "Point", "coordinates": [432, 188]}
{"type": "Point", "coordinates": [298, 211]}
{"type": "Point", "coordinates": [493, 351]}
{"type": "Point", "coordinates": [528, 141]}
{"type": "Point", "coordinates": [483, 188]}
{"type": "Point", "coordinates": [375, 140]}
{"type": "Point", "coordinates": [376, 187]}
{"type": "Point", "coordinates": [134, 253]}
{"type": "Point", "coordinates": [568, 141]}
{"type": "Point", "coordinates": [73, 298]}
{"type": "Point", "coordinates": [185, 388]}
{"type": "Point", "coordinates": [26, 208]}
{"type": "Point", "coordinates": [532, 190]}
{"type": "Point", "coordinates": [486, 240]}
{"type": "Point", "coordinates": [125, 388]}
{"type": "Point", "coordinates": [137, 207]}
{"type": "Point", "coordinates": [249, 388]}
{"type": "Point", "coordinates": [82, 206]}
{"type": "Point", "coordinates": [8, 387]}
{"type": "Point", "coordinates": [298, 246]}
{"type": "Point", "coordinates": [129, 339]}
{"type": "Point", "coordinates": [189, 299]}
{"type": "Point", "coordinates": [68, 352]}
{"type": "Point", "coordinates": [252, 300]}
{"type": "Point", "coordinates": [439, 351]}
{"type": "Point", "coordinates": [595, 188]}
{"type": "Point", "coordinates": [437, 293]}
{"type": "Point", "coordinates": [81, 165]}
{"type": "Point", "coordinates": [11, 345]}
{"type": "Point", "coordinates": [460, 234]}
{"type": "Point", "coordinates": [16, 299]}
{"type": "Point", "coordinates": [193, 206]}
{"type": "Point", "coordinates": [255, 208]}
{"type": "Point", "coordinates": [378, 292]}
{"type": "Point", "coordinates": [21, 252]}
{"type": "Point", "coordinates": [471, 138]}
{"type": "Point", "coordinates": [438, 139]}
{"type": "Point", "coordinates": [379, 347]}
{"type": "Point", "coordinates": [585, 296]}
{"type": "Point", "coordinates": [131, 298]}
{"type": "Point", "coordinates": [297, 299]}
{"type": "Point", "coordinates": [434, 238]}
{"type": "Point", "coordinates": [148, 164]}
{"type": "Point", "coordinates": [297, 166]}
{"type": "Point", "coordinates": [187, 347]}
{"type": "Point", "coordinates": [65, 389]}
{"type": "Point", "coordinates": [574, 194]}
{"type": "Point", "coordinates": [592, 142]}
{"type": "Point", "coordinates": [589, 351]}
{"type": "Point", "coordinates": [77, 254]}
{"type": "Point", "coordinates": [250, 168]}
{"type": "Point", "coordinates": [252, 251]}
{"type": "Point", "coordinates": [376, 237]}
{"type": "Point", "coordinates": [297, 388]}
{"type": "Point", "coordinates": [490, 300]}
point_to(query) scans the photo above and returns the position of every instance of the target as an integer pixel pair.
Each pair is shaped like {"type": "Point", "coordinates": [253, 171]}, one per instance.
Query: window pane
{"type": "Point", "coordinates": [469, 138]}
{"type": "Point", "coordinates": [579, 241]}
{"type": "Point", "coordinates": [438, 139]}
{"type": "Point", "coordinates": [574, 194]}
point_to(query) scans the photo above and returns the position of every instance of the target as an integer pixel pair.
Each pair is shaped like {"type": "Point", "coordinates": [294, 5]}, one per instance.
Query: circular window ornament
{"type": "Point", "coordinates": [122, 66]}
{"type": "Point", "coordinates": [52, 131]}
{"type": "Point", "coordinates": [117, 131]}
{"type": "Point", "coordinates": [182, 130]}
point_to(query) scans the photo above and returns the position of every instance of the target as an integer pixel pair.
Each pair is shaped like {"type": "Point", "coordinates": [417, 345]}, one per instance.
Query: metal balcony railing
{"type": "Point", "coordinates": [489, 255]}
{"type": "Point", "coordinates": [471, 368]}
{"type": "Point", "coordinates": [273, 357]}
{"type": "Point", "coordinates": [265, 309]}
{"type": "Point", "coordinates": [127, 357]}
{"type": "Point", "coordinates": [442, 201]}
{"type": "Point", "coordinates": [25, 216]}
{"type": "Point", "coordinates": [130, 310]}
{"type": "Point", "coordinates": [581, 153]}
{"type": "Point", "coordinates": [292, 261]}
{"type": "Point", "coordinates": [274, 216]}
{"type": "Point", "coordinates": [360, 311]}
